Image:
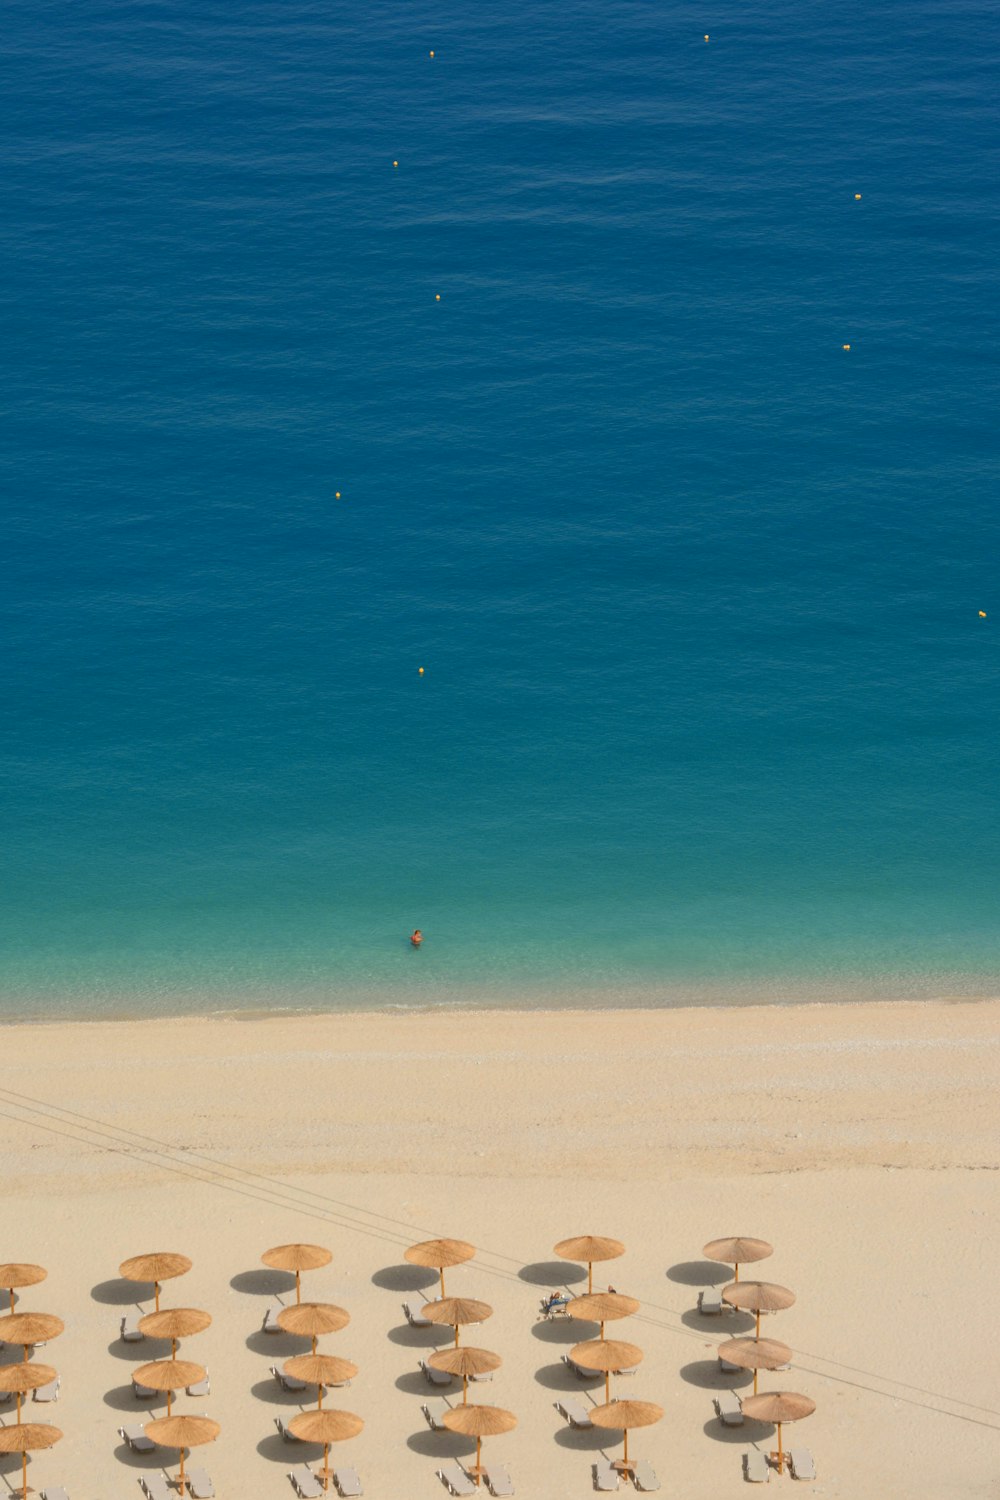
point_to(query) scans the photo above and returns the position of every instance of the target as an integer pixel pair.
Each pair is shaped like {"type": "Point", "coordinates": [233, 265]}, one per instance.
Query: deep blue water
{"type": "Point", "coordinates": [708, 706]}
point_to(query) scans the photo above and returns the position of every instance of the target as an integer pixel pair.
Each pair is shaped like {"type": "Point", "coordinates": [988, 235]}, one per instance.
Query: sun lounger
{"type": "Point", "coordinates": [348, 1481]}
{"type": "Point", "coordinates": [142, 1392]}
{"type": "Point", "coordinates": [644, 1475]}
{"type": "Point", "coordinates": [48, 1392]}
{"type": "Point", "coordinates": [710, 1303]}
{"type": "Point", "coordinates": [632, 1370]}
{"type": "Point", "coordinates": [486, 1375]}
{"type": "Point", "coordinates": [287, 1382]}
{"type": "Point", "coordinates": [801, 1463]}
{"type": "Point", "coordinates": [135, 1435]}
{"type": "Point", "coordinates": [54, 1493]}
{"type": "Point", "coordinates": [498, 1480]}
{"type": "Point", "coordinates": [199, 1484]}
{"type": "Point", "coordinates": [436, 1377]}
{"type": "Point", "coordinates": [414, 1319]}
{"type": "Point", "coordinates": [574, 1411]}
{"type": "Point", "coordinates": [605, 1475]}
{"type": "Point", "coordinates": [201, 1387]}
{"type": "Point", "coordinates": [286, 1432]}
{"type": "Point", "coordinates": [580, 1371]}
{"type": "Point", "coordinates": [305, 1483]}
{"type": "Point", "coordinates": [131, 1333]}
{"type": "Point", "coordinates": [454, 1477]}
{"type": "Point", "coordinates": [729, 1408]}
{"type": "Point", "coordinates": [755, 1466]}
{"type": "Point", "coordinates": [270, 1323]}
{"type": "Point", "coordinates": [434, 1409]}
{"type": "Point", "coordinates": [729, 1369]}
{"type": "Point", "coordinates": [155, 1487]}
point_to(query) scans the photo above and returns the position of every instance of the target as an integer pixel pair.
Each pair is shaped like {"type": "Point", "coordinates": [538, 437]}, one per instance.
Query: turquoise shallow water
{"type": "Point", "coordinates": [708, 708]}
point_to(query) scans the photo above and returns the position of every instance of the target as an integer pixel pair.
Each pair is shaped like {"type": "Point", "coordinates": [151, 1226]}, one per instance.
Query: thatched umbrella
{"type": "Point", "coordinates": [20, 1273]}
{"type": "Point", "coordinates": [589, 1247]}
{"type": "Point", "coordinates": [169, 1375]}
{"type": "Point", "coordinates": [29, 1329]}
{"type": "Point", "coordinates": [609, 1355]}
{"type": "Point", "coordinates": [320, 1370]}
{"type": "Point", "coordinates": [778, 1407]}
{"type": "Point", "coordinates": [457, 1311]}
{"type": "Point", "coordinates": [622, 1415]}
{"type": "Point", "coordinates": [758, 1297]}
{"type": "Point", "coordinates": [25, 1438]}
{"type": "Point", "coordinates": [297, 1258]}
{"type": "Point", "coordinates": [465, 1362]}
{"type": "Point", "coordinates": [737, 1251]}
{"type": "Point", "coordinates": [325, 1427]}
{"type": "Point", "coordinates": [174, 1323]}
{"type": "Point", "coordinates": [478, 1422]}
{"type": "Point", "coordinates": [602, 1307]}
{"type": "Point", "coordinates": [182, 1432]}
{"type": "Point", "coordinates": [22, 1378]}
{"type": "Point", "coordinates": [159, 1265]}
{"type": "Point", "coordinates": [756, 1354]}
{"type": "Point", "coordinates": [310, 1319]}
{"type": "Point", "coordinates": [437, 1254]}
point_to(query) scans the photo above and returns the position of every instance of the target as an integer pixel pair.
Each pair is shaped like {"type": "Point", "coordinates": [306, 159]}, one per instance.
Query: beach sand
{"type": "Point", "coordinates": [862, 1140]}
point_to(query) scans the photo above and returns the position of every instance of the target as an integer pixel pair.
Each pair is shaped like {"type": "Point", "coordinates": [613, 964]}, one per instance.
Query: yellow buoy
{"type": "Point", "coordinates": [421, 671]}
{"type": "Point", "coordinates": [432, 54]}
{"type": "Point", "coordinates": [845, 346]}
{"type": "Point", "coordinates": [982, 614]}
{"type": "Point", "coordinates": [395, 163]}
{"type": "Point", "coordinates": [437, 296]}
{"type": "Point", "coordinates": [857, 197]}
{"type": "Point", "coordinates": [706, 36]}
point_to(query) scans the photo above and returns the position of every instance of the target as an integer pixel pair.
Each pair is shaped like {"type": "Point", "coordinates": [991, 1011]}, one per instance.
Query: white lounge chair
{"type": "Point", "coordinates": [143, 1392]}
{"type": "Point", "coordinates": [305, 1483]}
{"type": "Point", "coordinates": [801, 1463]}
{"type": "Point", "coordinates": [201, 1387]}
{"type": "Point", "coordinates": [348, 1482]}
{"type": "Point", "coordinates": [729, 1369]}
{"type": "Point", "coordinates": [580, 1371]}
{"type": "Point", "coordinates": [484, 1375]}
{"type": "Point", "coordinates": [436, 1377]}
{"type": "Point", "coordinates": [755, 1466]}
{"type": "Point", "coordinates": [48, 1392]}
{"type": "Point", "coordinates": [155, 1487]}
{"type": "Point", "coordinates": [135, 1435]}
{"type": "Point", "coordinates": [131, 1333]}
{"type": "Point", "coordinates": [454, 1478]}
{"type": "Point", "coordinates": [199, 1484]}
{"type": "Point", "coordinates": [54, 1493]}
{"type": "Point", "coordinates": [728, 1406]}
{"type": "Point", "coordinates": [574, 1411]}
{"type": "Point", "coordinates": [498, 1480]}
{"type": "Point", "coordinates": [644, 1475]}
{"type": "Point", "coordinates": [286, 1433]}
{"type": "Point", "coordinates": [710, 1303]}
{"type": "Point", "coordinates": [605, 1475]}
{"type": "Point", "coordinates": [270, 1323]}
{"type": "Point", "coordinates": [434, 1409]}
{"type": "Point", "coordinates": [288, 1382]}
{"type": "Point", "coordinates": [415, 1320]}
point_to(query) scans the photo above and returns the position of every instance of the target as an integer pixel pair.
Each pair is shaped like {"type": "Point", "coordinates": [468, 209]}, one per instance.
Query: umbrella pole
{"type": "Point", "coordinates": [441, 1269]}
{"type": "Point", "coordinates": [24, 1474]}
{"type": "Point", "coordinates": [298, 1287]}
{"type": "Point", "coordinates": [590, 1276]}
{"type": "Point", "coordinates": [607, 1385]}
{"type": "Point", "coordinates": [758, 1322]}
{"type": "Point", "coordinates": [180, 1477]}
{"type": "Point", "coordinates": [156, 1293]}
{"type": "Point", "coordinates": [319, 1393]}
{"type": "Point", "coordinates": [314, 1343]}
{"type": "Point", "coordinates": [456, 1335]}
{"type": "Point", "coordinates": [626, 1448]}
{"type": "Point", "coordinates": [755, 1381]}
{"type": "Point", "coordinates": [465, 1389]}
{"type": "Point", "coordinates": [737, 1270]}
{"type": "Point", "coordinates": [12, 1299]}
{"type": "Point", "coordinates": [479, 1449]}
{"type": "Point", "coordinates": [19, 1408]}
{"type": "Point", "coordinates": [326, 1466]}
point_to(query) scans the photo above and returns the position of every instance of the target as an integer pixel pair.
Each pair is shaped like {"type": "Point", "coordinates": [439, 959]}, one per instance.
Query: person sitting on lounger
{"type": "Point", "coordinates": [553, 1301]}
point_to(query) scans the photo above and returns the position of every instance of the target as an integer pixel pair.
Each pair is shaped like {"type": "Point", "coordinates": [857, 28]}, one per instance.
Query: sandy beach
{"type": "Point", "coordinates": [862, 1140]}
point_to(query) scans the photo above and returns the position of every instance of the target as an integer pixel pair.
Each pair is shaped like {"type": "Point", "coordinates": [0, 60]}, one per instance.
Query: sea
{"type": "Point", "coordinates": [525, 470]}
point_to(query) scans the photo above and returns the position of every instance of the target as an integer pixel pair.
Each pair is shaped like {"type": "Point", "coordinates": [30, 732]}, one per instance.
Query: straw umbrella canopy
{"type": "Point", "coordinates": [756, 1354]}
{"type": "Point", "coordinates": [625, 1414]}
{"type": "Point", "coordinates": [174, 1323]}
{"type": "Point", "coordinates": [25, 1438]}
{"type": "Point", "coordinates": [738, 1251]}
{"type": "Point", "coordinates": [159, 1265]}
{"type": "Point", "coordinates": [170, 1375]}
{"type": "Point", "coordinates": [465, 1362]}
{"type": "Point", "coordinates": [609, 1355]}
{"type": "Point", "coordinates": [589, 1247]}
{"type": "Point", "coordinates": [458, 1311]}
{"type": "Point", "coordinates": [30, 1328]}
{"type": "Point", "coordinates": [297, 1258]}
{"type": "Point", "coordinates": [20, 1273]}
{"type": "Point", "coordinates": [326, 1427]}
{"type": "Point", "coordinates": [320, 1370]}
{"type": "Point", "coordinates": [310, 1319]}
{"type": "Point", "coordinates": [438, 1254]}
{"type": "Point", "coordinates": [778, 1407]}
{"type": "Point", "coordinates": [478, 1422]}
{"type": "Point", "coordinates": [602, 1307]}
{"type": "Point", "coordinates": [758, 1297]}
{"type": "Point", "coordinates": [182, 1432]}
{"type": "Point", "coordinates": [22, 1378]}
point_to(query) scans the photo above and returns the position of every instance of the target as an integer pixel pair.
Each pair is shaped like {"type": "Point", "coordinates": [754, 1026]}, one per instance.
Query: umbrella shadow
{"type": "Point", "coordinates": [706, 1374]}
{"type": "Point", "coordinates": [729, 1323]}
{"type": "Point", "coordinates": [263, 1283]}
{"type": "Point", "coordinates": [278, 1451]}
{"type": "Point", "coordinates": [151, 1349]}
{"type": "Point", "coordinates": [751, 1432]}
{"type": "Point", "coordinates": [414, 1383]}
{"type": "Point", "coordinates": [119, 1292]}
{"type": "Point", "coordinates": [132, 1460]}
{"type": "Point", "coordinates": [552, 1273]}
{"type": "Point", "coordinates": [440, 1444]}
{"type": "Point", "coordinates": [123, 1398]}
{"type": "Point", "coordinates": [580, 1440]}
{"type": "Point", "coordinates": [700, 1273]}
{"type": "Point", "coordinates": [559, 1378]}
{"type": "Point", "coordinates": [405, 1278]}
{"type": "Point", "coordinates": [271, 1392]}
{"type": "Point", "coordinates": [279, 1345]}
{"type": "Point", "coordinates": [419, 1338]}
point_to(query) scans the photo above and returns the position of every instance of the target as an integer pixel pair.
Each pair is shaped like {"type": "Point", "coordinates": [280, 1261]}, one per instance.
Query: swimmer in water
{"type": "Point", "coordinates": [416, 937]}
